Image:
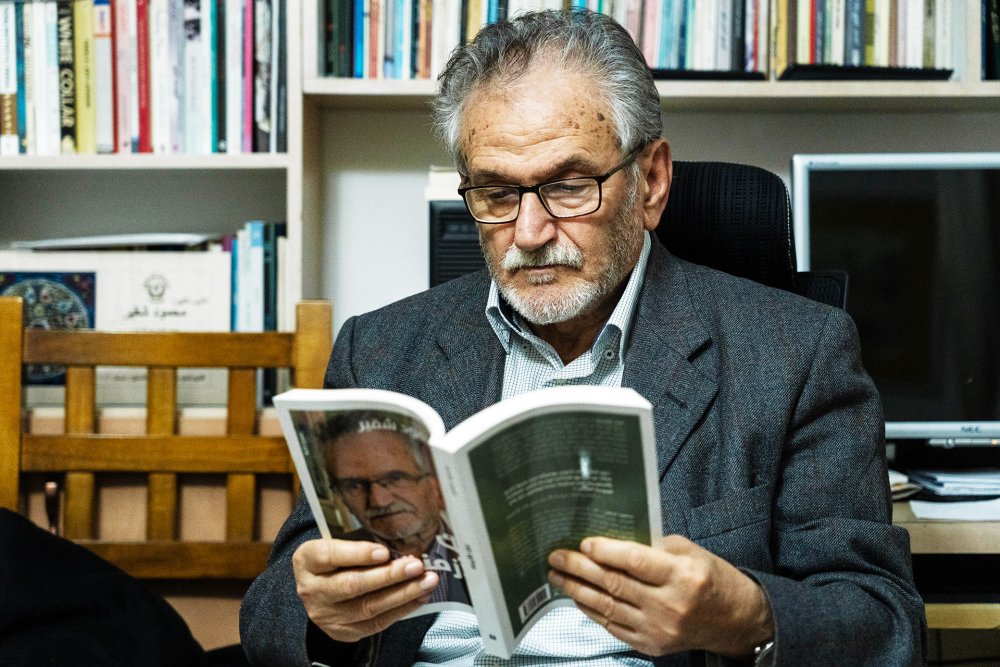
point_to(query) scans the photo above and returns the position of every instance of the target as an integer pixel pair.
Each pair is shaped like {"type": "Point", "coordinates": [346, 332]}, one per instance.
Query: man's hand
{"type": "Point", "coordinates": [351, 590]}
{"type": "Point", "coordinates": [674, 596]}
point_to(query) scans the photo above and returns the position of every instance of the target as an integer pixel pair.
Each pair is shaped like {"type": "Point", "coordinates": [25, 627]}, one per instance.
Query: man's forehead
{"type": "Point", "coordinates": [534, 127]}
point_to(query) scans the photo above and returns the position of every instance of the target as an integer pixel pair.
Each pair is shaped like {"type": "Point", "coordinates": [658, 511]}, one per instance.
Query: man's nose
{"type": "Point", "coordinates": [379, 496]}
{"type": "Point", "coordinates": [534, 226]}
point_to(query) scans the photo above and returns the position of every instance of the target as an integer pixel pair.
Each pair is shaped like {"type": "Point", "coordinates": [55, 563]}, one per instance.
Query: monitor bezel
{"type": "Point", "coordinates": [939, 432]}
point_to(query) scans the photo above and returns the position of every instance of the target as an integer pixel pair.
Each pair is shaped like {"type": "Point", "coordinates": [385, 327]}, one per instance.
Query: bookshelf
{"type": "Point", "coordinates": [90, 194]}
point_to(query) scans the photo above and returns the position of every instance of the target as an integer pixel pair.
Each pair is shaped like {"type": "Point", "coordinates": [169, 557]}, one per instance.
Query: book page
{"type": "Point", "coordinates": [371, 477]}
{"type": "Point", "coordinates": [548, 482]}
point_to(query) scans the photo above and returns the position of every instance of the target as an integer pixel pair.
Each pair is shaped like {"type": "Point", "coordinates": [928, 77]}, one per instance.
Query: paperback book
{"type": "Point", "coordinates": [484, 504]}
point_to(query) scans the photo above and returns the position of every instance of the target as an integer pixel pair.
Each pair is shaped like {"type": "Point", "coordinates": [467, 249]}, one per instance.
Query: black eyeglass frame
{"type": "Point", "coordinates": [363, 485]}
{"type": "Point", "coordinates": [536, 189]}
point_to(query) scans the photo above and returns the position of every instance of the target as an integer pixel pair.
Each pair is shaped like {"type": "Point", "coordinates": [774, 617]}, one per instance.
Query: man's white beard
{"type": "Point", "coordinates": [565, 303]}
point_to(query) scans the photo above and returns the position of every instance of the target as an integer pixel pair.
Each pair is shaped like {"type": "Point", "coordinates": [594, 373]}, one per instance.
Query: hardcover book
{"type": "Point", "coordinates": [52, 300]}
{"type": "Point", "coordinates": [147, 291]}
{"type": "Point", "coordinates": [485, 503]}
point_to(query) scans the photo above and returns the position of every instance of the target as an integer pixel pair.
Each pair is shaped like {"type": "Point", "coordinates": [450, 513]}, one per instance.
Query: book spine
{"type": "Point", "coordinates": [273, 94]}
{"type": "Point", "coordinates": [854, 32]}
{"type": "Point", "coordinates": [209, 139]}
{"type": "Point", "coordinates": [262, 77]}
{"type": "Point", "coordinates": [246, 126]}
{"type": "Point", "coordinates": [8, 80]}
{"type": "Point", "coordinates": [819, 29]}
{"type": "Point", "coordinates": [234, 78]}
{"type": "Point", "coordinates": [406, 38]}
{"type": "Point", "coordinates": [67, 78]}
{"type": "Point", "coordinates": [280, 73]}
{"type": "Point", "coordinates": [929, 33]}
{"type": "Point", "coordinates": [422, 65]}
{"type": "Point", "coordinates": [44, 82]}
{"type": "Point", "coordinates": [738, 42]}
{"type": "Point", "coordinates": [22, 48]}
{"type": "Point", "coordinates": [176, 41]}
{"type": "Point", "coordinates": [723, 36]}
{"type": "Point", "coordinates": [358, 41]}
{"type": "Point", "coordinates": [221, 62]}
{"type": "Point", "coordinates": [161, 85]}
{"type": "Point", "coordinates": [126, 95]}
{"type": "Point", "coordinates": [915, 34]}
{"type": "Point", "coordinates": [991, 55]}
{"type": "Point", "coordinates": [195, 112]}
{"type": "Point", "coordinates": [836, 19]}
{"type": "Point", "coordinates": [142, 66]}
{"type": "Point", "coordinates": [83, 44]}
{"type": "Point", "coordinates": [103, 83]}
{"type": "Point", "coordinates": [779, 37]}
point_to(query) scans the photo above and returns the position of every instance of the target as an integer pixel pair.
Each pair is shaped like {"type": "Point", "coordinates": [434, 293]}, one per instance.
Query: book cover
{"type": "Point", "coordinates": [52, 300]}
{"type": "Point", "coordinates": [484, 504]}
{"type": "Point", "coordinates": [147, 291]}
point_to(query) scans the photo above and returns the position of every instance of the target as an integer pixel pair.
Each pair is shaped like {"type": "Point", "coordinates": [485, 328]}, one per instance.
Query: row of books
{"type": "Point", "coordinates": [402, 39]}
{"type": "Point", "coordinates": [142, 76]}
{"type": "Point", "coordinates": [228, 283]}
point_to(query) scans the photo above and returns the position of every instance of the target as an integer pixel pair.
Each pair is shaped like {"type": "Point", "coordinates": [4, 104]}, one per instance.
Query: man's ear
{"type": "Point", "coordinates": [658, 171]}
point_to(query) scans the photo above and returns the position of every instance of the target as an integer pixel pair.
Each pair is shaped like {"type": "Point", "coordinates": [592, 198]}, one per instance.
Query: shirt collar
{"type": "Point", "coordinates": [507, 323]}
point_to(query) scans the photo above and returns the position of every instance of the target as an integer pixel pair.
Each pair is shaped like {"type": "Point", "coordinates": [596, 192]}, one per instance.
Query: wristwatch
{"type": "Point", "coordinates": [763, 655]}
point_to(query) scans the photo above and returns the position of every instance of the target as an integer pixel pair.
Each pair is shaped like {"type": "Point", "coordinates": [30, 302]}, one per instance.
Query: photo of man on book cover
{"type": "Point", "coordinates": [376, 481]}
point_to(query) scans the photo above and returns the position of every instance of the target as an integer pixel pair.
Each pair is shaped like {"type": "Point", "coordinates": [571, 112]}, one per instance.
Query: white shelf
{"type": "Point", "coordinates": [278, 161]}
{"type": "Point", "coordinates": [902, 96]}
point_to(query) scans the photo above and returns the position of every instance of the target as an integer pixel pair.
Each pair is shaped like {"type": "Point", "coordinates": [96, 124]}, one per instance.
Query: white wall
{"type": "Point", "coordinates": [375, 236]}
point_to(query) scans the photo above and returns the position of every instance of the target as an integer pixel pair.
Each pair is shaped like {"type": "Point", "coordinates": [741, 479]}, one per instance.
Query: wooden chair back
{"type": "Point", "coordinates": [161, 455]}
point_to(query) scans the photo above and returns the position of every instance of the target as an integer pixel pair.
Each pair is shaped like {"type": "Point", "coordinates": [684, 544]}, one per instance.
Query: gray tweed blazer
{"type": "Point", "coordinates": [769, 443]}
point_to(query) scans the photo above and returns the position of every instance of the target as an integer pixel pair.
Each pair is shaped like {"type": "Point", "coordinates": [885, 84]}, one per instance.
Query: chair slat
{"type": "Point", "coordinates": [161, 400]}
{"type": "Point", "coordinates": [79, 510]}
{"type": "Point", "coordinates": [11, 340]}
{"type": "Point", "coordinates": [139, 453]}
{"type": "Point", "coordinates": [242, 410]}
{"type": "Point", "coordinates": [312, 345]}
{"type": "Point", "coordinates": [161, 513]}
{"type": "Point", "coordinates": [241, 499]}
{"type": "Point", "coordinates": [216, 349]}
{"type": "Point", "coordinates": [185, 560]}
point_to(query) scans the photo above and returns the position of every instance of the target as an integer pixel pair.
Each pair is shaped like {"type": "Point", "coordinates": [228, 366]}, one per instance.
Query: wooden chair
{"type": "Point", "coordinates": [80, 454]}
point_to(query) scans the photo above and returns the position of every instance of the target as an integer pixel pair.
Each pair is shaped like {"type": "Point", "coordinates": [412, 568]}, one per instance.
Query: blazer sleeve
{"type": "Point", "coordinates": [841, 590]}
{"type": "Point", "coordinates": [274, 628]}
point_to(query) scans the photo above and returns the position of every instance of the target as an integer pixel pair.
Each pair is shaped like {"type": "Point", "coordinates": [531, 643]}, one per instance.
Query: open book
{"type": "Point", "coordinates": [485, 503]}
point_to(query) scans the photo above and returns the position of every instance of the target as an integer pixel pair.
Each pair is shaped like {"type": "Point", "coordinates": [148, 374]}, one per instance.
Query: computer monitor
{"type": "Point", "coordinates": [919, 235]}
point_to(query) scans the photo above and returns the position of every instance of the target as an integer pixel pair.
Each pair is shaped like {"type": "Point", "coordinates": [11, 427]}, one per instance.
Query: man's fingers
{"type": "Point", "coordinates": [323, 556]}
{"type": "Point", "coordinates": [376, 603]}
{"type": "Point", "coordinates": [604, 606]}
{"type": "Point", "coordinates": [650, 565]}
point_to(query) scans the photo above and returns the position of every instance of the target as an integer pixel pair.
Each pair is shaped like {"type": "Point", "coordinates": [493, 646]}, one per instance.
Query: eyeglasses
{"type": "Point", "coordinates": [396, 481]}
{"type": "Point", "coordinates": [562, 198]}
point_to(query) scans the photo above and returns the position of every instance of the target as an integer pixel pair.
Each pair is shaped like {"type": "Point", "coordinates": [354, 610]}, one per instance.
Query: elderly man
{"type": "Point", "coordinates": [779, 548]}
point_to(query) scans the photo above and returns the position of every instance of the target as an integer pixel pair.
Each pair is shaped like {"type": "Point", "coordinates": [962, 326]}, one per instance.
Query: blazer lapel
{"type": "Point", "coordinates": [472, 375]}
{"type": "Point", "coordinates": [667, 335]}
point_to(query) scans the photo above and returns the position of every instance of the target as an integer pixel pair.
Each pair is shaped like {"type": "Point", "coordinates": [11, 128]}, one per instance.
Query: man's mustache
{"type": "Point", "coordinates": [386, 510]}
{"type": "Point", "coordinates": [548, 255]}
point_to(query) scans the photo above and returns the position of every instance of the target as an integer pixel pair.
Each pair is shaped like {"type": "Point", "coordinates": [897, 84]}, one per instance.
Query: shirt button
{"type": "Point", "coordinates": [609, 354]}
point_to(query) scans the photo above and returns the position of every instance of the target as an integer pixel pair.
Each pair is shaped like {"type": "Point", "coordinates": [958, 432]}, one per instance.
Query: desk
{"type": "Point", "coordinates": [953, 537]}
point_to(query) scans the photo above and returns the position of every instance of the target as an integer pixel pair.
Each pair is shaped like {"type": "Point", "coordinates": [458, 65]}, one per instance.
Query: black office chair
{"type": "Point", "coordinates": [737, 218]}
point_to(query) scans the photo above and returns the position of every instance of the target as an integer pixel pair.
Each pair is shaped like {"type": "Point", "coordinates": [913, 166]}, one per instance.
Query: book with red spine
{"type": "Point", "coordinates": [142, 80]}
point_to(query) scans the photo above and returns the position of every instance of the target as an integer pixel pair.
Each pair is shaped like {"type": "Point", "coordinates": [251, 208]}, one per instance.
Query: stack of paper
{"type": "Point", "coordinates": [969, 482]}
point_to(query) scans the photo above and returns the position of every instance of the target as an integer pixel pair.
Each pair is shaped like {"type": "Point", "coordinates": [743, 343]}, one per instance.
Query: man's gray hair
{"type": "Point", "coordinates": [585, 41]}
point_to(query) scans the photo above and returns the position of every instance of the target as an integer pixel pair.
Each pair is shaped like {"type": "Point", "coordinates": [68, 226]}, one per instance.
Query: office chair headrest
{"type": "Point", "coordinates": [731, 217]}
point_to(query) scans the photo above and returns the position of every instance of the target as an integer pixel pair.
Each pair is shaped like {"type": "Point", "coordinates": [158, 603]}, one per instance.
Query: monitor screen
{"type": "Point", "coordinates": [919, 236]}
